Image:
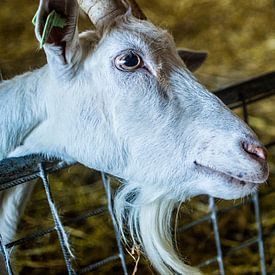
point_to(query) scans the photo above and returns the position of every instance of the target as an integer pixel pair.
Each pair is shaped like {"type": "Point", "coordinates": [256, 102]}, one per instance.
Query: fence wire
{"type": "Point", "coordinates": [16, 171]}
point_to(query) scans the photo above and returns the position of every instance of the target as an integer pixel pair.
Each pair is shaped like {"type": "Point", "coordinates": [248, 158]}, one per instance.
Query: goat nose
{"type": "Point", "coordinates": [257, 151]}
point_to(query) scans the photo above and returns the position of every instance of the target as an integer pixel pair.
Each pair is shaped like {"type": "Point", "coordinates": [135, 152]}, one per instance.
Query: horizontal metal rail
{"type": "Point", "coordinates": [251, 90]}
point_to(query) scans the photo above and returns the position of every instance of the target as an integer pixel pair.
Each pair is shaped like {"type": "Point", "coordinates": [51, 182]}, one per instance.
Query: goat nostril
{"type": "Point", "coordinates": [256, 150]}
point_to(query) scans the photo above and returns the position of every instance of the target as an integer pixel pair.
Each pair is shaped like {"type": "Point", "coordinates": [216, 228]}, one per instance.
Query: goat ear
{"type": "Point", "coordinates": [56, 30]}
{"type": "Point", "coordinates": [192, 59]}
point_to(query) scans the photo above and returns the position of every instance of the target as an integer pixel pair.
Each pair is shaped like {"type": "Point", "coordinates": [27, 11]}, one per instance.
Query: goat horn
{"type": "Point", "coordinates": [102, 11]}
{"type": "Point", "coordinates": [137, 12]}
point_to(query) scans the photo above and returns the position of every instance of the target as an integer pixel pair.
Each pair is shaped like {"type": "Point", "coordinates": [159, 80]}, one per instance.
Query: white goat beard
{"type": "Point", "coordinates": [148, 216]}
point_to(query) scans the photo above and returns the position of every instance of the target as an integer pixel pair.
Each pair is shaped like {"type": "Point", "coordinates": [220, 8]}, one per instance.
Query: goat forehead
{"type": "Point", "coordinates": [143, 34]}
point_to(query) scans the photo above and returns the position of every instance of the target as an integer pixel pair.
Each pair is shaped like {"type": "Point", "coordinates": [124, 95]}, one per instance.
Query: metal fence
{"type": "Point", "coordinates": [16, 171]}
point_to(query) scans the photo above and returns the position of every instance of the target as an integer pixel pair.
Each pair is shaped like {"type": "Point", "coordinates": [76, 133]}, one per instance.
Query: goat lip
{"type": "Point", "coordinates": [221, 173]}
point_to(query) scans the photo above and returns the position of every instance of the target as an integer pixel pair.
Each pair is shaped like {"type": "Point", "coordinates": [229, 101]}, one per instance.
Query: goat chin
{"type": "Point", "coordinates": [149, 215]}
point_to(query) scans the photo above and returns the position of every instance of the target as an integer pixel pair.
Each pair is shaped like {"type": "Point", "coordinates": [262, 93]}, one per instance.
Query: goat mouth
{"type": "Point", "coordinates": [230, 179]}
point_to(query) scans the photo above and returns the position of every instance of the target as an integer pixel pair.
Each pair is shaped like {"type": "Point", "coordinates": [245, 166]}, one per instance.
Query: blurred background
{"type": "Point", "coordinates": [239, 37]}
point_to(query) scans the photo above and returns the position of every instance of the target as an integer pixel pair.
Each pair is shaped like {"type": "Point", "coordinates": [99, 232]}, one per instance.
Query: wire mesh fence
{"type": "Point", "coordinates": [15, 171]}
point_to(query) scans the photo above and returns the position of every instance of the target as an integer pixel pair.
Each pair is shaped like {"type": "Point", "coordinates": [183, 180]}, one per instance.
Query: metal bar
{"type": "Point", "coordinates": [14, 171]}
{"type": "Point", "coordinates": [40, 233]}
{"type": "Point", "coordinates": [207, 217]}
{"type": "Point", "coordinates": [214, 218]}
{"type": "Point", "coordinates": [260, 232]}
{"type": "Point", "coordinates": [98, 264]}
{"type": "Point", "coordinates": [107, 186]}
{"type": "Point", "coordinates": [6, 256]}
{"type": "Point", "coordinates": [63, 238]}
{"type": "Point", "coordinates": [270, 144]}
{"type": "Point", "coordinates": [251, 90]}
{"type": "Point", "coordinates": [255, 199]}
{"type": "Point", "coordinates": [243, 245]}
{"type": "Point", "coordinates": [231, 251]}
{"type": "Point", "coordinates": [194, 223]}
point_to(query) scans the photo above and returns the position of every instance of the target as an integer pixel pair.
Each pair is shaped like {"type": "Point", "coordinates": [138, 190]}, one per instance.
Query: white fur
{"type": "Point", "coordinates": [156, 129]}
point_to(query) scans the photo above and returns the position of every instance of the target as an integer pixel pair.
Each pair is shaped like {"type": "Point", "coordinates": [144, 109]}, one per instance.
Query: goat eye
{"type": "Point", "coordinates": [128, 62]}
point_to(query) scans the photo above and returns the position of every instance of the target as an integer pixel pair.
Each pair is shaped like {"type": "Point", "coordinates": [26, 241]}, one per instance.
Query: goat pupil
{"type": "Point", "coordinates": [131, 60]}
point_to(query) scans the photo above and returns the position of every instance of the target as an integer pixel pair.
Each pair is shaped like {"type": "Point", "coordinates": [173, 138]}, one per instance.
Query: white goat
{"type": "Point", "coordinates": [121, 100]}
